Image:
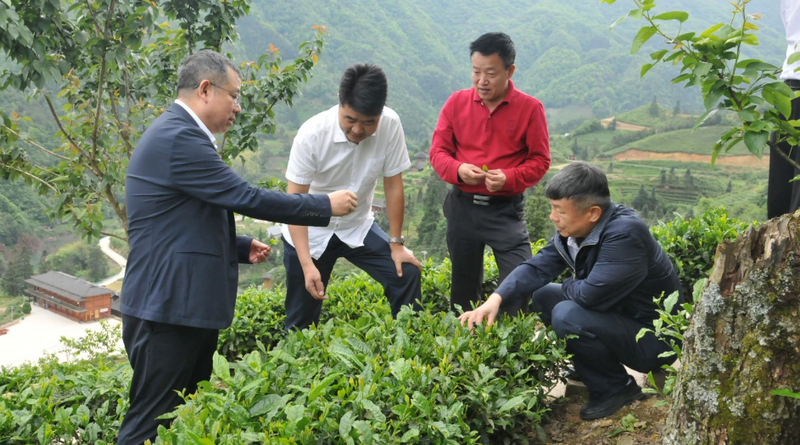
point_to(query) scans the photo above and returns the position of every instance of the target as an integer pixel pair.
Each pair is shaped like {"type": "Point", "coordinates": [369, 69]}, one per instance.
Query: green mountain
{"type": "Point", "coordinates": [566, 55]}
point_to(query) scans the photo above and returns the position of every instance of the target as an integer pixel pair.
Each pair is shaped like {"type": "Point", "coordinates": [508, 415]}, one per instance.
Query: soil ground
{"type": "Point", "coordinates": [622, 125]}
{"type": "Point", "coordinates": [744, 161]}
{"type": "Point", "coordinates": [564, 426]}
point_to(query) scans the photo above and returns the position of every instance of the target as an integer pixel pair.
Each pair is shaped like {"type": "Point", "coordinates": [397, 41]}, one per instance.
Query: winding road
{"type": "Point", "coordinates": [105, 246]}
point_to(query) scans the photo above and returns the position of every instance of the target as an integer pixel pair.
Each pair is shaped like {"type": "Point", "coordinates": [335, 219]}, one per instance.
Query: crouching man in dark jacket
{"type": "Point", "coordinates": [618, 267]}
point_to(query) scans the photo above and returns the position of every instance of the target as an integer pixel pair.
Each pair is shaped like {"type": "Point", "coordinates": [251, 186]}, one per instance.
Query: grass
{"type": "Point", "coordinates": [699, 142]}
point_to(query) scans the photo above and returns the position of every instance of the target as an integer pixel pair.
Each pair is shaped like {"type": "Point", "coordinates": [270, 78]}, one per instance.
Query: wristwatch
{"type": "Point", "coordinates": [401, 240]}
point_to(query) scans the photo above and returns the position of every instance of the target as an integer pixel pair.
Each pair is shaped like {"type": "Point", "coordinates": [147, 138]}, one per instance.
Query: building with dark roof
{"type": "Point", "coordinates": [70, 296]}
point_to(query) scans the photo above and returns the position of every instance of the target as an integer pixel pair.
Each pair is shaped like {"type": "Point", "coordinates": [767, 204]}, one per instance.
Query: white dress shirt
{"type": "Point", "coordinates": [323, 157]}
{"type": "Point", "coordinates": [199, 122]}
{"type": "Point", "coordinates": [790, 14]}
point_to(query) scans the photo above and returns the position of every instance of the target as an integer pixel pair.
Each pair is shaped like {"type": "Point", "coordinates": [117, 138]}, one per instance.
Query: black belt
{"type": "Point", "coordinates": [485, 200]}
{"type": "Point", "coordinates": [793, 83]}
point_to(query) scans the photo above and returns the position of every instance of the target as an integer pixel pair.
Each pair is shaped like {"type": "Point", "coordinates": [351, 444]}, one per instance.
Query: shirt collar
{"type": "Point", "coordinates": [509, 95]}
{"type": "Point", "coordinates": [199, 122]}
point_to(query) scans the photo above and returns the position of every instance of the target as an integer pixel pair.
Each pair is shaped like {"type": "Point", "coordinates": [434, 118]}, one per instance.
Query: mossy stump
{"type": "Point", "coordinates": [743, 342]}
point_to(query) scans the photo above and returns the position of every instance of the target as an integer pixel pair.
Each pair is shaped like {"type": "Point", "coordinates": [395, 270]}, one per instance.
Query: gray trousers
{"type": "Point", "coordinates": [470, 228]}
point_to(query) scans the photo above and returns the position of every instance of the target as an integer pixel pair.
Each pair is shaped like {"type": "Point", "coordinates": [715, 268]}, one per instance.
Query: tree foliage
{"type": "Point", "coordinates": [106, 69]}
{"type": "Point", "coordinates": [19, 270]}
{"type": "Point", "coordinates": [712, 60]}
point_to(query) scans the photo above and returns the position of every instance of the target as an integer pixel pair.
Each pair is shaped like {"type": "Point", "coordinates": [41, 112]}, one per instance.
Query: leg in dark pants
{"type": "Point", "coordinates": [606, 341]}
{"type": "Point", "coordinates": [471, 227]}
{"type": "Point", "coordinates": [165, 358]}
{"type": "Point", "coordinates": [374, 257]}
{"type": "Point", "coordinates": [784, 196]}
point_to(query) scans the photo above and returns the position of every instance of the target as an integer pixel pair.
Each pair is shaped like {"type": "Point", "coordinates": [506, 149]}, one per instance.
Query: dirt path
{"type": "Point", "coordinates": [622, 125]}
{"type": "Point", "coordinates": [740, 161]}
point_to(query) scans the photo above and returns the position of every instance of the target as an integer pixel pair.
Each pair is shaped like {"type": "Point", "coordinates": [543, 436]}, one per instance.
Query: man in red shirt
{"type": "Point", "coordinates": [491, 143]}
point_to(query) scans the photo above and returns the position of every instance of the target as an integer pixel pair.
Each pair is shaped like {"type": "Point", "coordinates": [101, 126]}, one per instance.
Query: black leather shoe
{"type": "Point", "coordinates": [599, 409]}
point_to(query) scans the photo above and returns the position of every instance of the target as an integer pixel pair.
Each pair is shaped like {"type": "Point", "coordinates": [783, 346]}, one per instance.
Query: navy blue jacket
{"type": "Point", "coordinates": [184, 253]}
{"type": "Point", "coordinates": [619, 267]}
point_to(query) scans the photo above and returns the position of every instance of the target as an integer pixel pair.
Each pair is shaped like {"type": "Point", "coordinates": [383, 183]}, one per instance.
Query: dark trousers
{"type": "Point", "coordinates": [374, 258]}
{"type": "Point", "coordinates": [606, 341]}
{"type": "Point", "coordinates": [470, 228]}
{"type": "Point", "coordinates": [165, 358]}
{"type": "Point", "coordinates": [784, 196]}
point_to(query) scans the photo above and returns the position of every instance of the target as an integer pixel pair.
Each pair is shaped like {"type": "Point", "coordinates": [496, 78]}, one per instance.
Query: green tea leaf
{"type": "Point", "coordinates": [642, 36]}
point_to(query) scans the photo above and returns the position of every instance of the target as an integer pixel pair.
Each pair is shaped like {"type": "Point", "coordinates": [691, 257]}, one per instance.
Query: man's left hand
{"type": "Point", "coordinates": [258, 252]}
{"type": "Point", "coordinates": [400, 255]}
{"type": "Point", "coordinates": [495, 180]}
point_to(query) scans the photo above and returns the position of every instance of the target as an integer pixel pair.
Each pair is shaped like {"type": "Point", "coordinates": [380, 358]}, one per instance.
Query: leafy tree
{"type": "Point", "coordinates": [97, 264]}
{"type": "Point", "coordinates": [44, 266]}
{"type": "Point", "coordinates": [537, 214]}
{"type": "Point", "coordinates": [654, 110]}
{"type": "Point", "coordinates": [642, 200]}
{"type": "Point", "coordinates": [663, 178]}
{"type": "Point", "coordinates": [576, 149]}
{"type": "Point", "coordinates": [19, 270]}
{"type": "Point", "coordinates": [106, 69]}
{"type": "Point", "coordinates": [2, 267]}
{"type": "Point", "coordinates": [688, 180]}
{"type": "Point", "coordinates": [611, 167]}
{"type": "Point", "coordinates": [26, 308]}
{"type": "Point", "coordinates": [729, 188]}
{"type": "Point", "coordinates": [677, 109]}
{"type": "Point", "coordinates": [432, 236]}
{"type": "Point", "coordinates": [612, 126]}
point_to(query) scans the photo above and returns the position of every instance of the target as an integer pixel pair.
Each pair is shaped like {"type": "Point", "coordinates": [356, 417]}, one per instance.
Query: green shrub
{"type": "Point", "coordinates": [259, 317]}
{"type": "Point", "coordinates": [692, 243]}
{"type": "Point", "coordinates": [63, 402]}
{"type": "Point", "coordinates": [26, 308]}
{"type": "Point", "coordinates": [421, 378]}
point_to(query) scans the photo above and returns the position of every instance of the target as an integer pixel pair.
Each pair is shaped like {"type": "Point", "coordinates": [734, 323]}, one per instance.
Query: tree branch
{"type": "Point", "coordinates": [51, 153]}
{"type": "Point", "coordinates": [61, 127]}
{"type": "Point", "coordinates": [115, 204]}
{"type": "Point", "coordinates": [31, 176]}
{"type": "Point", "coordinates": [774, 148]}
{"type": "Point", "coordinates": [100, 82]}
{"type": "Point", "coordinates": [113, 235]}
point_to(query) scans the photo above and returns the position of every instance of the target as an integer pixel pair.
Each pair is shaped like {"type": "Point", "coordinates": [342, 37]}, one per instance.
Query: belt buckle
{"type": "Point", "coordinates": [481, 200]}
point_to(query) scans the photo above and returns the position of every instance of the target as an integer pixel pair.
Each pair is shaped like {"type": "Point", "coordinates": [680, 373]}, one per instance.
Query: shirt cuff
{"type": "Point", "coordinates": [301, 180]}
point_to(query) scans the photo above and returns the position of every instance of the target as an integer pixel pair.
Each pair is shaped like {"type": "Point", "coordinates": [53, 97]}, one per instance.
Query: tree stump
{"type": "Point", "coordinates": [743, 341]}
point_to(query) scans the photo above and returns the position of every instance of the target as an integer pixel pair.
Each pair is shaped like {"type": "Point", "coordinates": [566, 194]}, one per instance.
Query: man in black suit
{"type": "Point", "coordinates": [180, 284]}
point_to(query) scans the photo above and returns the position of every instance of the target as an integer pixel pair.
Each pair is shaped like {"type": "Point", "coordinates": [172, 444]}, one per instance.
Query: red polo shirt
{"type": "Point", "coordinates": [513, 138]}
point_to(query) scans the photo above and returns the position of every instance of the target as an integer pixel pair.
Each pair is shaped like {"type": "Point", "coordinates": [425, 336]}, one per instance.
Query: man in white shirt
{"type": "Point", "coordinates": [348, 147]}
{"type": "Point", "coordinates": [784, 196]}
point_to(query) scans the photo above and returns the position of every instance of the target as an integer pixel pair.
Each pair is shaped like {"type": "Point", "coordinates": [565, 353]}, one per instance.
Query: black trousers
{"type": "Point", "coordinates": [374, 258]}
{"type": "Point", "coordinates": [784, 196]}
{"type": "Point", "coordinates": [470, 228]}
{"type": "Point", "coordinates": [606, 341]}
{"type": "Point", "coordinates": [165, 358]}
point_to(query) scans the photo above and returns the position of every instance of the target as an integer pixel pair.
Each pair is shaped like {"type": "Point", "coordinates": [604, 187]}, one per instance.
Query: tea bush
{"type": "Point", "coordinates": [52, 402]}
{"type": "Point", "coordinates": [692, 243]}
{"type": "Point", "coordinates": [419, 379]}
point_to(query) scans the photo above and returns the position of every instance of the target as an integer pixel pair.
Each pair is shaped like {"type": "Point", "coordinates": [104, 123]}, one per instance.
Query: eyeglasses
{"type": "Point", "coordinates": [237, 98]}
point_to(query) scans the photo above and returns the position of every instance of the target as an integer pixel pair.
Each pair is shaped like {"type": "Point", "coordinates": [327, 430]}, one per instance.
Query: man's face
{"type": "Point", "coordinates": [222, 103]}
{"type": "Point", "coordinates": [490, 77]}
{"type": "Point", "coordinates": [571, 221]}
{"type": "Point", "coordinates": [357, 126]}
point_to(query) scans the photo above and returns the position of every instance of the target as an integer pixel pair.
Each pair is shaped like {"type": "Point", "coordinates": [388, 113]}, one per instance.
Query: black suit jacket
{"type": "Point", "coordinates": [184, 254]}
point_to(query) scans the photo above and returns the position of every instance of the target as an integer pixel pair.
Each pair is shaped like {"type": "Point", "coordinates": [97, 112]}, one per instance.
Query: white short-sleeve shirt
{"type": "Point", "coordinates": [790, 14]}
{"type": "Point", "coordinates": [323, 158]}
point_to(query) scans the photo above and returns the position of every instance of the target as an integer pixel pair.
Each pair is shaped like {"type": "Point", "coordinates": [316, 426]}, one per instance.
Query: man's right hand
{"type": "Point", "coordinates": [314, 284]}
{"type": "Point", "coordinates": [343, 202]}
{"type": "Point", "coordinates": [470, 174]}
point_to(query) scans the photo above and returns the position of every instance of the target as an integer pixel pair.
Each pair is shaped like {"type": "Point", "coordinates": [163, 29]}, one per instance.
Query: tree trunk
{"type": "Point", "coordinates": [743, 342]}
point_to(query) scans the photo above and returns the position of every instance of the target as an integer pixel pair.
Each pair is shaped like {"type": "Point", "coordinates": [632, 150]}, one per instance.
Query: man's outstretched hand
{"type": "Point", "coordinates": [486, 312]}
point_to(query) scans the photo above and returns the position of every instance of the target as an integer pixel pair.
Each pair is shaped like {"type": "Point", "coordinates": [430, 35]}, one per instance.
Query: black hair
{"type": "Point", "coordinates": [582, 183]}
{"type": "Point", "coordinates": [364, 89]}
{"type": "Point", "coordinates": [204, 65]}
{"type": "Point", "coordinates": [495, 43]}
